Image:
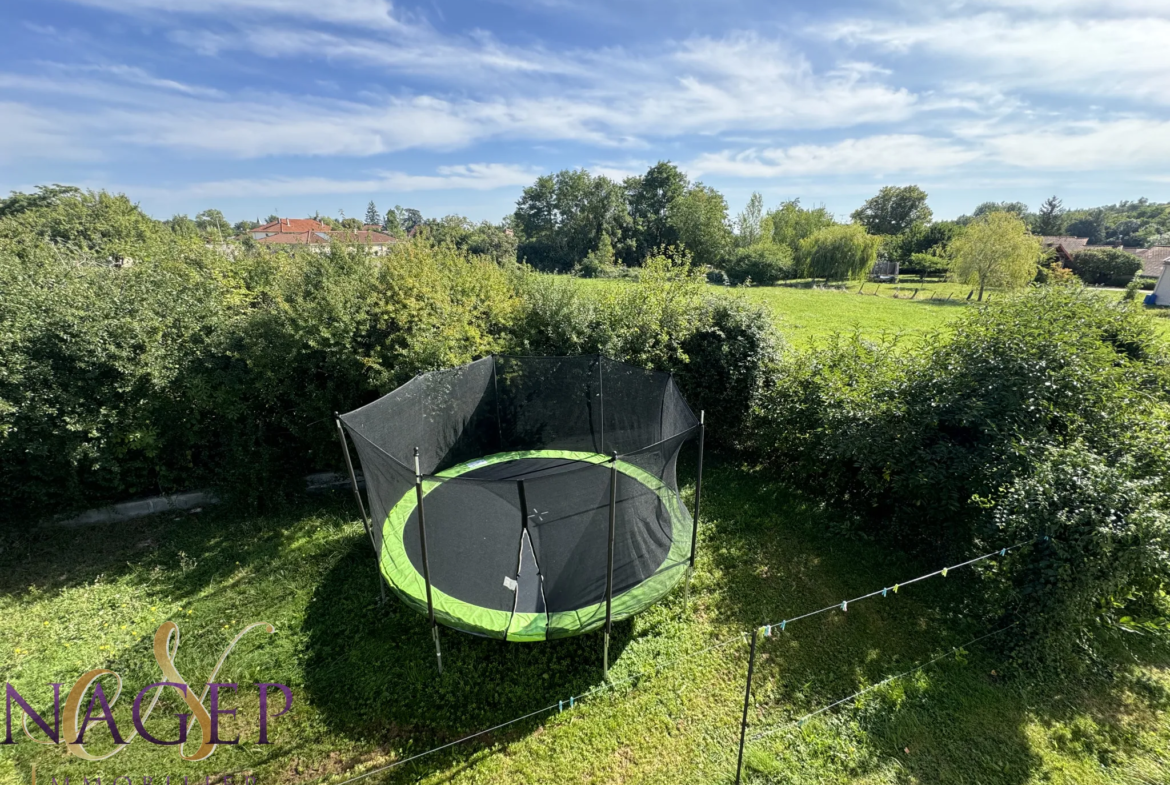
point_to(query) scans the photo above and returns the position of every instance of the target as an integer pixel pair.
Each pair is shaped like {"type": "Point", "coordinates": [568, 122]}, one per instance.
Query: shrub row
{"type": "Point", "coordinates": [1045, 416]}
{"type": "Point", "coordinates": [169, 366]}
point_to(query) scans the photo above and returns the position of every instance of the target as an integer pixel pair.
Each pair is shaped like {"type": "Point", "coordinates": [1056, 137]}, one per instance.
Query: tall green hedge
{"type": "Point", "coordinates": [146, 362]}
{"type": "Point", "coordinates": [1045, 415]}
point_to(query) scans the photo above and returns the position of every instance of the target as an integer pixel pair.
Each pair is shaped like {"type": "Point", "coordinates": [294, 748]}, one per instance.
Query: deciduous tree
{"type": "Point", "coordinates": [838, 252]}
{"type": "Point", "coordinates": [996, 250]}
{"type": "Point", "coordinates": [894, 210]}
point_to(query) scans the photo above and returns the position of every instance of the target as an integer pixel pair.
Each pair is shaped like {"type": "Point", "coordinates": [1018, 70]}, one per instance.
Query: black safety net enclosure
{"type": "Point", "coordinates": [518, 458]}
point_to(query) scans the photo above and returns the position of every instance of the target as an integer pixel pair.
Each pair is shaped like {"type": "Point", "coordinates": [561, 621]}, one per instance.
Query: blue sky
{"type": "Point", "coordinates": [296, 106]}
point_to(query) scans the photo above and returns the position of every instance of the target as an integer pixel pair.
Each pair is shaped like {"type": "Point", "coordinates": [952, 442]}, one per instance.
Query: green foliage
{"type": "Point", "coordinates": [748, 225]}
{"type": "Point", "coordinates": [179, 368]}
{"type": "Point", "coordinates": [1018, 209]}
{"type": "Point", "coordinates": [933, 239]}
{"type": "Point", "coordinates": [699, 218]}
{"type": "Point", "coordinates": [1105, 553]}
{"type": "Point", "coordinates": [995, 250]}
{"type": "Point", "coordinates": [790, 223]}
{"type": "Point", "coordinates": [764, 264]}
{"type": "Point", "coordinates": [560, 218]}
{"type": "Point", "coordinates": [839, 252]}
{"type": "Point", "coordinates": [894, 210]}
{"type": "Point", "coordinates": [719, 348]}
{"type": "Point", "coordinates": [1110, 266]}
{"type": "Point", "coordinates": [1050, 220]}
{"type": "Point", "coordinates": [1136, 223]}
{"type": "Point", "coordinates": [926, 448]}
{"type": "Point", "coordinates": [927, 264]}
{"type": "Point", "coordinates": [372, 215]}
{"type": "Point", "coordinates": [648, 200]}
{"type": "Point", "coordinates": [599, 263]}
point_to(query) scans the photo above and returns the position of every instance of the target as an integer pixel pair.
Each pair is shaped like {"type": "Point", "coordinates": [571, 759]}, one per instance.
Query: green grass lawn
{"type": "Point", "coordinates": [807, 315]}
{"type": "Point", "coordinates": [366, 691]}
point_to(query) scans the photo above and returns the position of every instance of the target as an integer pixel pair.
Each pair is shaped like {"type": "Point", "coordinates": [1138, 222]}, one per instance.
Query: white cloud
{"type": "Point", "coordinates": [29, 132]}
{"type": "Point", "coordinates": [1077, 56]}
{"type": "Point", "coordinates": [889, 154]}
{"type": "Point", "coordinates": [476, 177]}
{"type": "Point", "coordinates": [353, 12]}
{"type": "Point", "coordinates": [1119, 145]}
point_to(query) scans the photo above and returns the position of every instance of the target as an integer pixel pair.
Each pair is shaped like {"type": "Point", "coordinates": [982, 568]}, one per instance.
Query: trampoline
{"type": "Point", "coordinates": [527, 498]}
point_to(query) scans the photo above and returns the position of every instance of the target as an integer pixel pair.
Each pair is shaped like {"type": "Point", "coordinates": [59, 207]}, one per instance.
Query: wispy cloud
{"type": "Point", "coordinates": [475, 177]}
{"type": "Point", "coordinates": [890, 154]}
{"type": "Point", "coordinates": [379, 13]}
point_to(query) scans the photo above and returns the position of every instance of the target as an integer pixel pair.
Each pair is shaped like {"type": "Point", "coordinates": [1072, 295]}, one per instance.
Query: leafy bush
{"type": "Point", "coordinates": [926, 448]}
{"type": "Point", "coordinates": [763, 263]}
{"type": "Point", "coordinates": [140, 362]}
{"type": "Point", "coordinates": [720, 348]}
{"type": "Point", "coordinates": [1105, 266]}
{"type": "Point", "coordinates": [925, 264]}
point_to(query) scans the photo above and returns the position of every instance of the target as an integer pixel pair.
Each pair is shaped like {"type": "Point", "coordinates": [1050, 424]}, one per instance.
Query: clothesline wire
{"type": "Point", "coordinates": [894, 587]}
{"type": "Point", "coordinates": [560, 705]}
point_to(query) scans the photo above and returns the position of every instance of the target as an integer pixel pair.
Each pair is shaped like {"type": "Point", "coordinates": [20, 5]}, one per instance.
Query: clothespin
{"type": "Point", "coordinates": [844, 605]}
{"type": "Point", "coordinates": [783, 624]}
{"type": "Point", "coordinates": [767, 630]}
{"type": "Point", "coordinates": [884, 592]}
{"type": "Point", "coordinates": [944, 572]}
{"type": "Point", "coordinates": [572, 700]}
{"type": "Point", "coordinates": [895, 588]}
{"type": "Point", "coordinates": [560, 706]}
{"type": "Point", "coordinates": [1003, 552]}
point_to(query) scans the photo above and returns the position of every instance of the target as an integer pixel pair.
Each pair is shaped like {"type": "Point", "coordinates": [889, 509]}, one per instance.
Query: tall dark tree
{"type": "Point", "coordinates": [1050, 220]}
{"type": "Point", "coordinates": [1091, 225]}
{"type": "Point", "coordinates": [561, 217]}
{"type": "Point", "coordinates": [391, 225]}
{"type": "Point", "coordinates": [408, 217]}
{"type": "Point", "coordinates": [372, 214]}
{"type": "Point", "coordinates": [894, 210]}
{"type": "Point", "coordinates": [649, 198]}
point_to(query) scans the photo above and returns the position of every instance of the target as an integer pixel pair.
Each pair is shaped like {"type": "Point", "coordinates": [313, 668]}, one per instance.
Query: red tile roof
{"type": "Point", "coordinates": [292, 225]}
{"type": "Point", "coordinates": [293, 238]}
{"type": "Point", "coordinates": [313, 238]}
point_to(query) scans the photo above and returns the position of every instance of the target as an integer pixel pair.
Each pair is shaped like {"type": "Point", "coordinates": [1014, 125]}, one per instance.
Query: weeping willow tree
{"type": "Point", "coordinates": [995, 250]}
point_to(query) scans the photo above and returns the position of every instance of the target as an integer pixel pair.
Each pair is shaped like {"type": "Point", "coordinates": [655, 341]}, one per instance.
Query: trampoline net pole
{"type": "Point", "coordinates": [613, 483]}
{"type": "Point", "coordinates": [698, 488]}
{"type": "Point", "coordinates": [366, 522]}
{"type": "Point", "coordinates": [422, 538]}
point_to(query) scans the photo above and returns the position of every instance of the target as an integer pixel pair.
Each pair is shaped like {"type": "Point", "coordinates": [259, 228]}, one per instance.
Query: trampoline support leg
{"type": "Point", "coordinates": [366, 520]}
{"type": "Point", "coordinates": [438, 651]}
{"type": "Point", "coordinates": [613, 481]}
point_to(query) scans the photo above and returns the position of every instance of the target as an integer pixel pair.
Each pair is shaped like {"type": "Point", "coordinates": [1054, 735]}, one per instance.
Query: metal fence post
{"type": "Point", "coordinates": [747, 696]}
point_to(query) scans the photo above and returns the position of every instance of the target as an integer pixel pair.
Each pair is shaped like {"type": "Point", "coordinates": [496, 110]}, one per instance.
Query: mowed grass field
{"type": "Point", "coordinates": [366, 692]}
{"type": "Point", "coordinates": [807, 315]}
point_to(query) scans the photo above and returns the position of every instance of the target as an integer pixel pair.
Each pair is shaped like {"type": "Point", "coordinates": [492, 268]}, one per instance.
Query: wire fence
{"type": "Point", "coordinates": [767, 630]}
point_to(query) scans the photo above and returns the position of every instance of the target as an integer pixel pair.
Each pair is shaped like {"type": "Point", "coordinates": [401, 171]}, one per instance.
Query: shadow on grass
{"type": "Point", "coordinates": [371, 670]}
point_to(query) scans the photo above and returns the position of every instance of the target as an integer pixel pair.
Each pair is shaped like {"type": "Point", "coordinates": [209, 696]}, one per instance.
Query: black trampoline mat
{"type": "Point", "coordinates": [531, 534]}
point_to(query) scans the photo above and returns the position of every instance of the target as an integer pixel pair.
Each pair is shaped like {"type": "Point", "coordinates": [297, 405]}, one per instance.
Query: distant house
{"type": "Point", "coordinates": [1065, 247]}
{"type": "Point", "coordinates": [308, 232]}
{"type": "Point", "coordinates": [1152, 259]}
